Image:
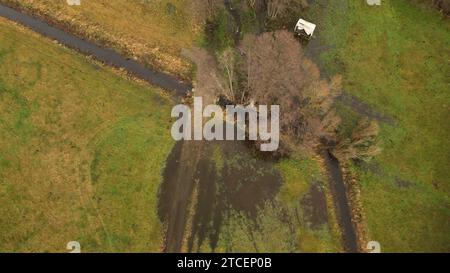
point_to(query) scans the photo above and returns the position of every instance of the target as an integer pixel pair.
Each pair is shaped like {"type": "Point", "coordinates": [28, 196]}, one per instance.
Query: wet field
{"type": "Point", "coordinates": [203, 180]}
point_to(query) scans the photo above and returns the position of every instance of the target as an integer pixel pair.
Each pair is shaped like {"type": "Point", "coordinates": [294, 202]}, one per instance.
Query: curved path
{"type": "Point", "coordinates": [105, 55]}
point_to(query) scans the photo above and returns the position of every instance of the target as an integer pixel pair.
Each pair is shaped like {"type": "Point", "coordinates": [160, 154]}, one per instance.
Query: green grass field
{"type": "Point", "coordinates": [81, 151]}
{"type": "Point", "coordinates": [396, 59]}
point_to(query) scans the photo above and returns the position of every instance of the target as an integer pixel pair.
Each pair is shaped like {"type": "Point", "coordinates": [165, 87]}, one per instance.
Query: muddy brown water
{"type": "Point", "coordinates": [225, 175]}
{"type": "Point", "coordinates": [198, 193]}
{"type": "Point", "coordinates": [314, 206]}
{"type": "Point", "coordinates": [104, 55]}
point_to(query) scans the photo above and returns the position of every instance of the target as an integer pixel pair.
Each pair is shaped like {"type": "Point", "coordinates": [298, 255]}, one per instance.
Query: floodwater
{"type": "Point", "coordinates": [104, 55]}
{"type": "Point", "coordinates": [202, 180]}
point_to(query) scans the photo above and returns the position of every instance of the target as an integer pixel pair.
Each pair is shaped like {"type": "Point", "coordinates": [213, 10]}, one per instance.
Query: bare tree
{"type": "Point", "coordinates": [277, 72]}
{"type": "Point", "coordinates": [227, 60]}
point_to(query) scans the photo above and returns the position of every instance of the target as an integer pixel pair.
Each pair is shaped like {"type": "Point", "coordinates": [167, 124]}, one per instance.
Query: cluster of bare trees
{"type": "Point", "coordinates": [271, 69]}
{"type": "Point", "coordinates": [277, 72]}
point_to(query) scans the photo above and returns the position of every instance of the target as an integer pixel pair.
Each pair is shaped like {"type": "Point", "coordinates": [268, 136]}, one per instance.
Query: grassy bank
{"type": "Point", "coordinates": [153, 31]}
{"type": "Point", "coordinates": [394, 58]}
{"type": "Point", "coordinates": [81, 151]}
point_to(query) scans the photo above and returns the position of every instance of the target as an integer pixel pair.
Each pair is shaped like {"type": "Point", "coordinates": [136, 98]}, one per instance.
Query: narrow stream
{"type": "Point", "coordinates": [105, 55]}
{"type": "Point", "coordinates": [341, 202]}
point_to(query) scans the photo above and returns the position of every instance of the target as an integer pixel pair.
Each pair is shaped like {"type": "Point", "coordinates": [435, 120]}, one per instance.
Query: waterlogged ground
{"type": "Point", "coordinates": [220, 196]}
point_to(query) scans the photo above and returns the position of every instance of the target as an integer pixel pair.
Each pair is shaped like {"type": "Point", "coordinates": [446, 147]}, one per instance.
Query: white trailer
{"type": "Point", "coordinates": [305, 29]}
